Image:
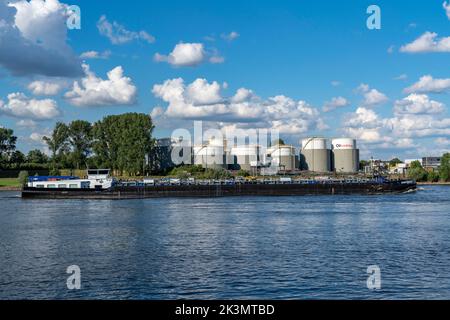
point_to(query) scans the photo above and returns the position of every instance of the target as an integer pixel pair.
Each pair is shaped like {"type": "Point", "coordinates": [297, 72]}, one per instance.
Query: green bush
{"type": "Point", "coordinates": [187, 171]}
{"type": "Point", "coordinates": [23, 178]}
{"type": "Point", "coordinates": [54, 172]}
{"type": "Point", "coordinates": [433, 176]}
{"type": "Point", "coordinates": [417, 173]}
{"type": "Point", "coordinates": [243, 173]}
{"type": "Point", "coordinates": [444, 170]}
{"type": "Point", "coordinates": [216, 174]}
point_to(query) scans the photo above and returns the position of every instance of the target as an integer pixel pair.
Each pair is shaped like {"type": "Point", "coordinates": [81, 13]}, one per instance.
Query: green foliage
{"type": "Point", "coordinates": [17, 158]}
{"type": "Point", "coordinates": [243, 173]}
{"type": "Point", "coordinates": [198, 172]}
{"type": "Point", "coordinates": [415, 165]}
{"type": "Point", "coordinates": [80, 139]}
{"type": "Point", "coordinates": [121, 142]}
{"type": "Point", "coordinates": [394, 162]}
{"type": "Point", "coordinates": [433, 176]}
{"type": "Point", "coordinates": [7, 145]}
{"type": "Point", "coordinates": [216, 174]}
{"type": "Point", "coordinates": [37, 156]}
{"type": "Point", "coordinates": [54, 172]}
{"type": "Point", "coordinates": [444, 169]}
{"type": "Point", "coordinates": [58, 142]}
{"type": "Point", "coordinates": [187, 171]}
{"type": "Point", "coordinates": [23, 178]}
{"type": "Point", "coordinates": [363, 164]}
{"type": "Point", "coordinates": [416, 172]}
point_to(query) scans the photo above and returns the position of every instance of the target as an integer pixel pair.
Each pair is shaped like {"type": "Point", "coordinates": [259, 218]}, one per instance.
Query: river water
{"type": "Point", "coordinates": [316, 247]}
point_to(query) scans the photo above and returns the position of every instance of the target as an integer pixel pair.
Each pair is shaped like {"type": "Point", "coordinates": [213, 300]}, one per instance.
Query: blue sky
{"type": "Point", "coordinates": [308, 52]}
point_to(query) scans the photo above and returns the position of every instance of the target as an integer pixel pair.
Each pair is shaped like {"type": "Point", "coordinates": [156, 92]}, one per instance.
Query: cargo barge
{"type": "Point", "coordinates": [98, 185]}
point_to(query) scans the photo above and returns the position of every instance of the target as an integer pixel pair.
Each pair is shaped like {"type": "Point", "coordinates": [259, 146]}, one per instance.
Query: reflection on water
{"type": "Point", "coordinates": [274, 248]}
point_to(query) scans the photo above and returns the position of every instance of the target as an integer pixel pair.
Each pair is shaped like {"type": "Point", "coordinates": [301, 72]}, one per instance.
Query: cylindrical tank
{"type": "Point", "coordinates": [211, 157]}
{"type": "Point", "coordinates": [345, 155]}
{"type": "Point", "coordinates": [315, 155]}
{"type": "Point", "coordinates": [284, 157]}
{"type": "Point", "coordinates": [244, 157]}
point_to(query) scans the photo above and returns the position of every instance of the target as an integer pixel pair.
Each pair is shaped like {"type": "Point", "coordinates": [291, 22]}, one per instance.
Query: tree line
{"type": "Point", "coordinates": [118, 142]}
{"type": "Point", "coordinates": [418, 173]}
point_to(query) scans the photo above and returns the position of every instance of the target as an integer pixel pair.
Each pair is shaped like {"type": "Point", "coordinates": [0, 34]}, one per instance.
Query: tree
{"type": "Point", "coordinates": [416, 172]}
{"type": "Point", "coordinates": [7, 144]}
{"type": "Point", "coordinates": [122, 142]}
{"type": "Point", "coordinates": [444, 169]}
{"type": "Point", "coordinates": [57, 142]}
{"type": "Point", "coordinates": [17, 158]}
{"type": "Point", "coordinates": [363, 164]}
{"type": "Point", "coordinates": [37, 156]}
{"type": "Point", "coordinates": [278, 142]}
{"type": "Point", "coordinates": [433, 176]}
{"type": "Point", "coordinates": [23, 177]}
{"type": "Point", "coordinates": [80, 140]}
{"type": "Point", "coordinates": [394, 162]}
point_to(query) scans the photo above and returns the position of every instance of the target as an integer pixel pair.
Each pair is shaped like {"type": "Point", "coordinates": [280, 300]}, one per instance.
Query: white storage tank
{"type": "Point", "coordinates": [315, 155]}
{"type": "Point", "coordinates": [345, 155]}
{"type": "Point", "coordinates": [284, 157]}
{"type": "Point", "coordinates": [211, 157]}
{"type": "Point", "coordinates": [244, 156]}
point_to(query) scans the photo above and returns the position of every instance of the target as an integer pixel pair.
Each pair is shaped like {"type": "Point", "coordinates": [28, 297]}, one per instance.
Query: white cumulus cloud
{"type": "Point", "coordinates": [201, 100]}
{"type": "Point", "coordinates": [33, 39]}
{"type": "Point", "coordinates": [20, 106]}
{"type": "Point", "coordinates": [93, 91]}
{"type": "Point", "coordinates": [427, 84]}
{"type": "Point", "coordinates": [335, 103]}
{"type": "Point", "coordinates": [44, 88]}
{"type": "Point", "coordinates": [184, 54]}
{"type": "Point", "coordinates": [427, 42]}
{"type": "Point", "coordinates": [189, 55]}
{"type": "Point", "coordinates": [418, 104]}
{"type": "Point", "coordinates": [372, 97]}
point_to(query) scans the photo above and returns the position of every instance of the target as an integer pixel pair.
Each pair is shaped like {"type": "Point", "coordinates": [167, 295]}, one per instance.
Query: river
{"type": "Point", "coordinates": [312, 247]}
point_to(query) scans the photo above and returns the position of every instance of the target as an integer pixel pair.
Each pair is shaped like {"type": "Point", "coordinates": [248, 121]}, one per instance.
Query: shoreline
{"type": "Point", "coordinates": [433, 183]}
{"type": "Point", "coordinates": [10, 189]}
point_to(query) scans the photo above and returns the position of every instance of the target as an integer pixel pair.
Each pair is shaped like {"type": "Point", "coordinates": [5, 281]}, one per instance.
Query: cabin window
{"type": "Point", "coordinates": [85, 185]}
{"type": "Point", "coordinates": [40, 186]}
{"type": "Point", "coordinates": [51, 186]}
{"type": "Point", "coordinates": [73, 186]}
{"type": "Point", "coordinates": [62, 186]}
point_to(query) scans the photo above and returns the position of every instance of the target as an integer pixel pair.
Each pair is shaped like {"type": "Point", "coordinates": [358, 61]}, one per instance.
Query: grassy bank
{"type": "Point", "coordinates": [9, 184]}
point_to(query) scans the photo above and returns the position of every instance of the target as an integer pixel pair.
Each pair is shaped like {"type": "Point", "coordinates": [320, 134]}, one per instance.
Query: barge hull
{"type": "Point", "coordinates": [118, 193]}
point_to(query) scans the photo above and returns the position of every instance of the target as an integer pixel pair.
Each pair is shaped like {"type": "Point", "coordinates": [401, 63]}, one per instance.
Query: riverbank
{"type": "Point", "coordinates": [10, 189]}
{"type": "Point", "coordinates": [9, 184]}
{"type": "Point", "coordinates": [433, 183]}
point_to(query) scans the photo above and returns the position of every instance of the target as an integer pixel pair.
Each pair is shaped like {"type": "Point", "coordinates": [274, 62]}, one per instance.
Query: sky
{"type": "Point", "coordinates": [304, 68]}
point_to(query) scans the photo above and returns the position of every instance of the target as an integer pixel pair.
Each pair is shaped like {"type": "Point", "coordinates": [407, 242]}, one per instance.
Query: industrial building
{"type": "Point", "coordinates": [344, 155]}
{"type": "Point", "coordinates": [283, 157]}
{"type": "Point", "coordinates": [160, 159]}
{"type": "Point", "coordinates": [315, 155]}
{"type": "Point", "coordinates": [244, 157]}
{"type": "Point", "coordinates": [211, 155]}
{"type": "Point", "coordinates": [431, 162]}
